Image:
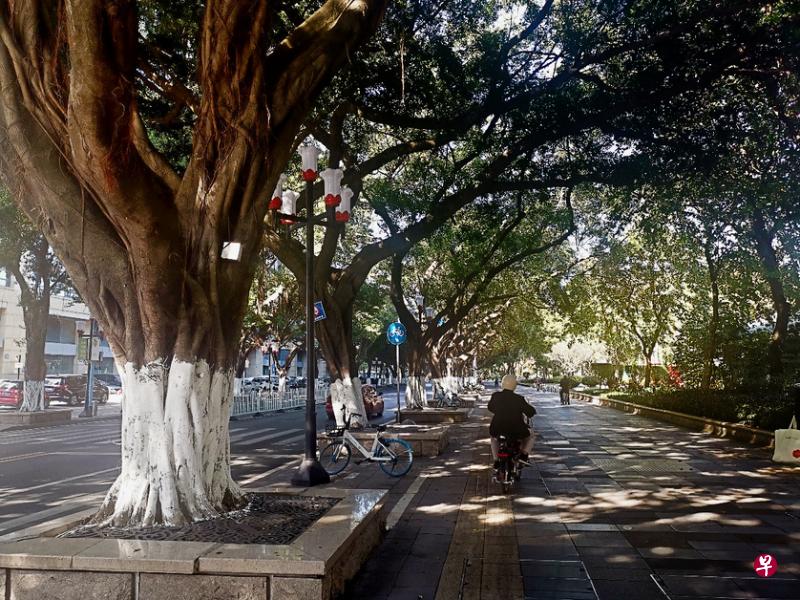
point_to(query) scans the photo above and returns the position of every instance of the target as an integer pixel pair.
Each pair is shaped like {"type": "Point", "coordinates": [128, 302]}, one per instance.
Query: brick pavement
{"type": "Point", "coordinates": [617, 507]}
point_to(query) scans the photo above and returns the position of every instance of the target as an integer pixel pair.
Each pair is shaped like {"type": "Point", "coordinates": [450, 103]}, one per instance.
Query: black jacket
{"type": "Point", "coordinates": [508, 409]}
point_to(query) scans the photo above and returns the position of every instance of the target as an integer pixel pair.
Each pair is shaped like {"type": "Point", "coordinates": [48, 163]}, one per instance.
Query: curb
{"type": "Point", "coordinates": [721, 429]}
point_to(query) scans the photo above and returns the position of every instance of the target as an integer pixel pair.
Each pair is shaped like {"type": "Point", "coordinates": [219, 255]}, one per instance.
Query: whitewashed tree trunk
{"type": "Point", "coordinates": [282, 385]}
{"type": "Point", "coordinates": [439, 387]}
{"type": "Point", "coordinates": [237, 386]}
{"type": "Point", "coordinates": [348, 401]}
{"type": "Point", "coordinates": [175, 446]}
{"type": "Point", "coordinates": [415, 392]}
{"type": "Point", "coordinates": [33, 396]}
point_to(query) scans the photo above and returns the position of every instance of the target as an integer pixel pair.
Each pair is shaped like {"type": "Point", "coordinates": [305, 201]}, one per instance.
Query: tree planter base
{"type": "Point", "coordinates": [425, 440]}
{"type": "Point", "coordinates": [741, 433]}
{"type": "Point", "coordinates": [45, 417]}
{"type": "Point", "coordinates": [435, 415]}
{"type": "Point", "coordinates": [315, 566]}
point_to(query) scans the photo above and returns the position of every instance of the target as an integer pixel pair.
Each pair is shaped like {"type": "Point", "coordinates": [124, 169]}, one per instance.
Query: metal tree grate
{"type": "Point", "coordinates": [266, 519]}
{"type": "Point", "coordinates": [641, 465]}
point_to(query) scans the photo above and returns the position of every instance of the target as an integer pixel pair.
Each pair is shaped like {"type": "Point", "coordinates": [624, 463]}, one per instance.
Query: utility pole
{"type": "Point", "coordinates": [88, 403]}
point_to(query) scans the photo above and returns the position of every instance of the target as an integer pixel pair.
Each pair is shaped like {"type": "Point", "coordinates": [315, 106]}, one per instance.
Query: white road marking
{"type": "Point", "coordinates": [269, 436]}
{"type": "Point", "coordinates": [291, 440]}
{"type": "Point", "coordinates": [54, 483]}
{"type": "Point", "coordinates": [397, 512]}
{"type": "Point", "coordinates": [12, 524]}
{"type": "Point", "coordinates": [249, 434]}
{"type": "Point", "coordinates": [254, 478]}
{"type": "Point", "coordinates": [23, 456]}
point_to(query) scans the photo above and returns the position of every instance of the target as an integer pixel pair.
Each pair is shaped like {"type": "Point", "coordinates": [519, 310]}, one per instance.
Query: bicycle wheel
{"type": "Point", "coordinates": [335, 457]}
{"type": "Point", "coordinates": [401, 453]}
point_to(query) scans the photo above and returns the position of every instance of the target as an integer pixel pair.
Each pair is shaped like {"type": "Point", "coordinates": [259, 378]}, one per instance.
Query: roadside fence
{"type": "Point", "coordinates": [265, 401]}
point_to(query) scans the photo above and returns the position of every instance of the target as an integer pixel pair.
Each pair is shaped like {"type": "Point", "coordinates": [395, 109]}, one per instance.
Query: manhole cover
{"type": "Point", "coordinates": [266, 519]}
{"type": "Point", "coordinates": [641, 465]}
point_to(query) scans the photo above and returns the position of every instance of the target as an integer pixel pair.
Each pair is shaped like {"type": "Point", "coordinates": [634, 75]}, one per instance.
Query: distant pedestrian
{"type": "Point", "coordinates": [564, 393]}
{"type": "Point", "coordinates": [496, 381]}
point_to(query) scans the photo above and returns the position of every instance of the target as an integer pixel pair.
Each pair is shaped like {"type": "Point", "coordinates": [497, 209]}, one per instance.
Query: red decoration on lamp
{"type": "Point", "coordinates": [309, 155]}
{"type": "Point", "coordinates": [333, 188]}
{"type": "Point", "coordinates": [277, 195]}
{"type": "Point", "coordinates": [343, 210]}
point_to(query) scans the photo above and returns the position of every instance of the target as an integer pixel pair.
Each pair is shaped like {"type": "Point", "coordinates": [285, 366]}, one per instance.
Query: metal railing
{"type": "Point", "coordinates": [266, 401]}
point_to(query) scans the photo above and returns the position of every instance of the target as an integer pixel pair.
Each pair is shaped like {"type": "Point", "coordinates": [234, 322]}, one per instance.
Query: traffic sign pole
{"type": "Point", "coordinates": [398, 382]}
{"type": "Point", "coordinates": [88, 402]}
{"type": "Point", "coordinates": [396, 335]}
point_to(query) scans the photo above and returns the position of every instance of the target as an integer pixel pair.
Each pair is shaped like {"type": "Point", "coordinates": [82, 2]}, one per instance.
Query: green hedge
{"type": "Point", "coordinates": [765, 412]}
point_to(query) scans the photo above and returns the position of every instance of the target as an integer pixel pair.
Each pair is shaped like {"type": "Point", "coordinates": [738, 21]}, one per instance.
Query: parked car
{"type": "Point", "coordinates": [373, 402]}
{"type": "Point", "coordinates": [11, 393]}
{"type": "Point", "coordinates": [255, 384]}
{"type": "Point", "coordinates": [262, 381]}
{"type": "Point", "coordinates": [71, 389]}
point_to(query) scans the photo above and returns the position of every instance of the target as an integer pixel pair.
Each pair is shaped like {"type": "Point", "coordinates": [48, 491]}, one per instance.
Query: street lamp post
{"type": "Point", "coordinates": [88, 403]}
{"type": "Point", "coordinates": [337, 211]}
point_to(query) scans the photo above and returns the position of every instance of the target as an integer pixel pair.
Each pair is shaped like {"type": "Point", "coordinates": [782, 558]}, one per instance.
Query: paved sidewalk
{"type": "Point", "coordinates": [616, 507]}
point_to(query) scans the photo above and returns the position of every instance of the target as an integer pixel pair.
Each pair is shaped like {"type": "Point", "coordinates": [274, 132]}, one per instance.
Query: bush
{"type": "Point", "coordinates": [763, 411]}
{"type": "Point", "coordinates": [591, 381]}
{"type": "Point", "coordinates": [594, 391]}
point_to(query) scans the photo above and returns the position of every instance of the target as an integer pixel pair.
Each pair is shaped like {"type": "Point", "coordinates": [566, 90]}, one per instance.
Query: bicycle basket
{"type": "Point", "coordinates": [333, 430]}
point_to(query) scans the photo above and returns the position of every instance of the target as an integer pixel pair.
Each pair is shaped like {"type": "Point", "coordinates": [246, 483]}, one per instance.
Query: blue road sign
{"type": "Point", "coordinates": [319, 312]}
{"type": "Point", "coordinates": [396, 333]}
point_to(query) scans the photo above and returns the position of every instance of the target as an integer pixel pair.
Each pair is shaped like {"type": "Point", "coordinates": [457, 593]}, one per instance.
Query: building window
{"type": "Point", "coordinates": [60, 331]}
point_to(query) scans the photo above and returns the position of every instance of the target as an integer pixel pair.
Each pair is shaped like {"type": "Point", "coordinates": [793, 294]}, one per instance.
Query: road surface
{"type": "Point", "coordinates": [47, 472]}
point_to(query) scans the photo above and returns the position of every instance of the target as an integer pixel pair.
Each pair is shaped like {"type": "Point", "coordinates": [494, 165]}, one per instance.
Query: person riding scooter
{"type": "Point", "coordinates": [509, 410]}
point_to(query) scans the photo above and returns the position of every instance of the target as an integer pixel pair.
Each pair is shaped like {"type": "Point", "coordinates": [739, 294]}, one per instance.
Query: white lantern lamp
{"type": "Point", "coordinates": [309, 154]}
{"type": "Point", "coordinates": [333, 186]}
{"type": "Point", "coordinates": [277, 196]}
{"type": "Point", "coordinates": [288, 205]}
{"type": "Point", "coordinates": [343, 210]}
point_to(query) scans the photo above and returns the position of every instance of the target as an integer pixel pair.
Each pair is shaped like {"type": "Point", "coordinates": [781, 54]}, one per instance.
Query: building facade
{"type": "Point", "coordinates": [262, 364]}
{"type": "Point", "coordinates": [67, 320]}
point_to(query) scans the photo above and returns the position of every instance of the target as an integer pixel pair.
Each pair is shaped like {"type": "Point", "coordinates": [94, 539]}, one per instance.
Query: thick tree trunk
{"type": "Point", "coordinates": [335, 336]}
{"type": "Point", "coordinates": [438, 374]}
{"type": "Point", "coordinates": [770, 268]}
{"type": "Point", "coordinates": [648, 370]}
{"type": "Point", "coordinates": [175, 445]}
{"type": "Point", "coordinates": [415, 395]}
{"type": "Point", "coordinates": [282, 376]}
{"type": "Point", "coordinates": [35, 367]}
{"type": "Point", "coordinates": [35, 301]}
{"type": "Point", "coordinates": [713, 323]}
